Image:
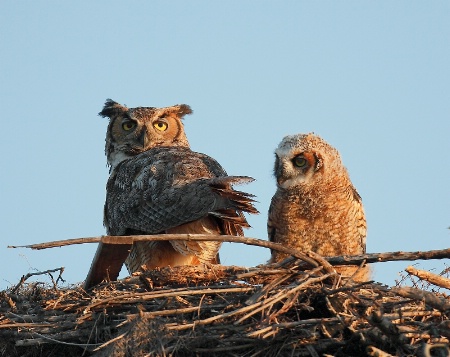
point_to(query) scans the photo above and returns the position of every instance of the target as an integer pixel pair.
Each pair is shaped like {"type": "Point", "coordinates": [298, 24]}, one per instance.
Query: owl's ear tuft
{"type": "Point", "coordinates": [178, 110]}
{"type": "Point", "coordinates": [112, 108]}
{"type": "Point", "coordinates": [183, 109]}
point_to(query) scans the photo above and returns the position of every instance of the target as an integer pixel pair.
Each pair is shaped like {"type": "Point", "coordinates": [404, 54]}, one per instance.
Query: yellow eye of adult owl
{"type": "Point", "coordinates": [128, 125]}
{"type": "Point", "coordinates": [300, 161]}
{"type": "Point", "coordinates": [160, 125]}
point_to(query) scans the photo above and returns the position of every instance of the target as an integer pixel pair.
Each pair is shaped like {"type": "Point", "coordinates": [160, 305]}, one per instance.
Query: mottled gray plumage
{"type": "Point", "coordinates": [159, 185]}
{"type": "Point", "coordinates": [166, 187]}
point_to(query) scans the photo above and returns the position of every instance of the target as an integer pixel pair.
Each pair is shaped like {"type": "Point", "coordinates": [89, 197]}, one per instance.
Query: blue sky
{"type": "Point", "coordinates": [371, 78]}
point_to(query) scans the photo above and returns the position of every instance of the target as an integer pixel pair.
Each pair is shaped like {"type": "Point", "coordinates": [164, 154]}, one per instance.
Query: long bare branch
{"type": "Point", "coordinates": [164, 237]}
{"type": "Point", "coordinates": [338, 260]}
{"type": "Point", "coordinates": [389, 256]}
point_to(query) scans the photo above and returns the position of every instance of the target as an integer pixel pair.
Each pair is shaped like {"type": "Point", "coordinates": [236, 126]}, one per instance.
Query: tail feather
{"type": "Point", "coordinates": [234, 203]}
{"type": "Point", "coordinates": [232, 216]}
{"type": "Point", "coordinates": [226, 181]}
{"type": "Point", "coordinates": [239, 200]}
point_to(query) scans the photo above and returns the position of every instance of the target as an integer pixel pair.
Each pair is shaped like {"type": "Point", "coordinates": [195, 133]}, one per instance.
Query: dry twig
{"type": "Point", "coordinates": [430, 277]}
{"type": "Point", "coordinates": [29, 275]}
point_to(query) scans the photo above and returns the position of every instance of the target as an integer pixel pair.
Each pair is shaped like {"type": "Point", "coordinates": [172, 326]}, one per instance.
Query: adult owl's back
{"type": "Point", "coordinates": [174, 190]}
{"type": "Point", "coordinates": [157, 185]}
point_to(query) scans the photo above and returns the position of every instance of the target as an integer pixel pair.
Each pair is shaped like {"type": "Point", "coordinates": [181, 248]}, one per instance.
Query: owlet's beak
{"type": "Point", "coordinates": [281, 180]}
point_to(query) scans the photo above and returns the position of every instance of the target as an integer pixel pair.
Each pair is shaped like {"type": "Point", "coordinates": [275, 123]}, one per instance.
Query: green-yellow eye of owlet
{"type": "Point", "coordinates": [128, 125]}
{"type": "Point", "coordinates": [300, 161]}
{"type": "Point", "coordinates": [160, 125]}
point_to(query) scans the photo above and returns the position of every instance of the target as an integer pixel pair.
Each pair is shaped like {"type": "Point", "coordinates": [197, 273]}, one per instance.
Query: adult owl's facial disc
{"type": "Point", "coordinates": [145, 128]}
{"type": "Point", "coordinates": [135, 130]}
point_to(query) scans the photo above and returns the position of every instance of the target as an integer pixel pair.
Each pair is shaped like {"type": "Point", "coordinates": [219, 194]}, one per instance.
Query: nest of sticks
{"type": "Point", "coordinates": [284, 309]}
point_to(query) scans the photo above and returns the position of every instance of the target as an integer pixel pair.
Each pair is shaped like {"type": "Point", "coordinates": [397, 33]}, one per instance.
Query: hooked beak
{"type": "Point", "coordinates": [143, 138]}
{"type": "Point", "coordinates": [280, 173]}
{"type": "Point", "coordinates": [281, 180]}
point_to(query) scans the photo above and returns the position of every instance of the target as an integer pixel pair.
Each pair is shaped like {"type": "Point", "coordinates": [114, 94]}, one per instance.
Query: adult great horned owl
{"type": "Point", "coordinates": [316, 207]}
{"type": "Point", "coordinates": [157, 184]}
